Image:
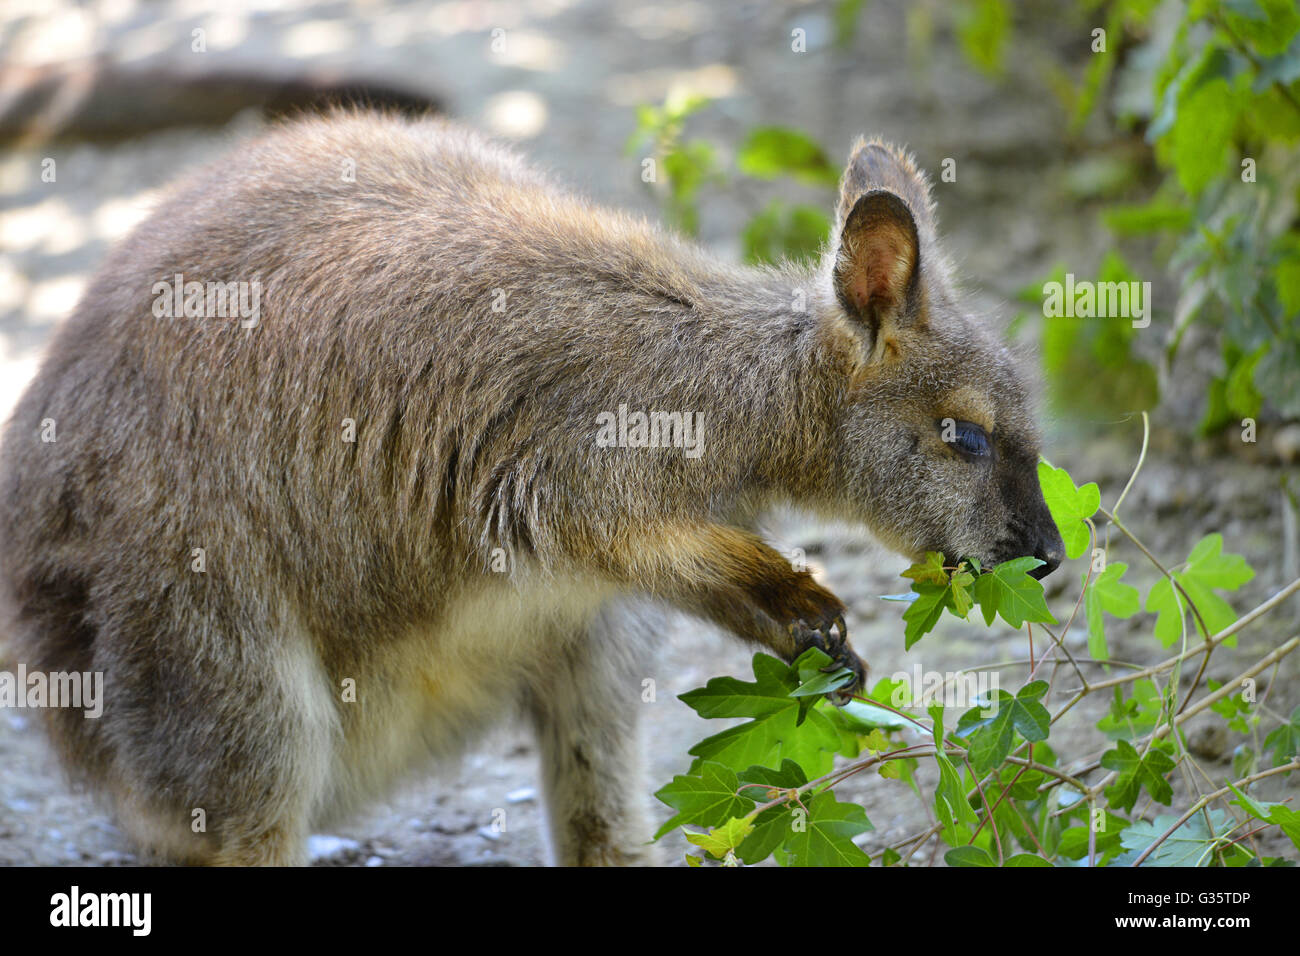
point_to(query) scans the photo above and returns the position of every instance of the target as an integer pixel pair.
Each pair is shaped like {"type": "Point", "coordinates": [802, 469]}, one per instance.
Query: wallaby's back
{"type": "Point", "coordinates": [473, 431]}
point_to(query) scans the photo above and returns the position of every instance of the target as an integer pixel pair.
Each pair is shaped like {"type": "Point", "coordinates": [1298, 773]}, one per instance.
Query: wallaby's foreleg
{"type": "Point", "coordinates": [741, 583]}
{"type": "Point", "coordinates": [585, 706]}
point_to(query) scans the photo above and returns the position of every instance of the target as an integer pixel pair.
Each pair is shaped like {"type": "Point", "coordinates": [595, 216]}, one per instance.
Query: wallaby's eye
{"type": "Point", "coordinates": [966, 437]}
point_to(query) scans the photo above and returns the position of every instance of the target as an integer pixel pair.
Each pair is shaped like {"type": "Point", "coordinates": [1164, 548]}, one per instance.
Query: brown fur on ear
{"type": "Point", "coordinates": [877, 261]}
{"type": "Point", "coordinates": [875, 165]}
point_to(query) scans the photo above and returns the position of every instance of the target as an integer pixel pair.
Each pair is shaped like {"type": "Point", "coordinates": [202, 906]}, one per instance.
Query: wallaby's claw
{"type": "Point", "coordinates": [832, 638]}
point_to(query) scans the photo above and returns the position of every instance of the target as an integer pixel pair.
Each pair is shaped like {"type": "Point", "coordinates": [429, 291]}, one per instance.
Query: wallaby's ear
{"type": "Point", "coordinates": [878, 259]}
{"type": "Point", "coordinates": [875, 165]}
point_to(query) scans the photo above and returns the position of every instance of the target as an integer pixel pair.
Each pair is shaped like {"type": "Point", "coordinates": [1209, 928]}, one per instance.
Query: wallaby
{"type": "Point", "coordinates": [316, 544]}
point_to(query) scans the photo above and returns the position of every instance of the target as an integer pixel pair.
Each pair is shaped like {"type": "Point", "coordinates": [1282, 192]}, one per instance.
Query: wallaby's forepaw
{"type": "Point", "coordinates": [832, 639]}
{"type": "Point", "coordinates": [815, 618]}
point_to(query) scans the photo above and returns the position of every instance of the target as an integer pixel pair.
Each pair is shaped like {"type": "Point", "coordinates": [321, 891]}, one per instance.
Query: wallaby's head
{"type": "Point", "coordinates": [937, 446]}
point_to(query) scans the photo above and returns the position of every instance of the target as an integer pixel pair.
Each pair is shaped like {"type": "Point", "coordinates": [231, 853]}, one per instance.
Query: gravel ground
{"type": "Point", "coordinates": [566, 88]}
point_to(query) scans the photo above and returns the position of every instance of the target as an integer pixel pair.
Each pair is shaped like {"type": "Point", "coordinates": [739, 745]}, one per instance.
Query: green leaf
{"type": "Point", "coordinates": [935, 589]}
{"type": "Point", "coordinates": [772, 151]}
{"type": "Point", "coordinates": [707, 800]}
{"type": "Point", "coordinates": [770, 740]}
{"type": "Point", "coordinates": [968, 856]}
{"type": "Point", "coordinates": [824, 837]}
{"type": "Point", "coordinates": [992, 735]}
{"type": "Point", "coordinates": [783, 726]}
{"type": "Point", "coordinates": [1106, 593]}
{"type": "Point", "coordinates": [1135, 772]}
{"type": "Point", "coordinates": [929, 571]}
{"type": "Point", "coordinates": [722, 840]}
{"type": "Point", "coordinates": [1207, 568]}
{"type": "Point", "coordinates": [1266, 25]}
{"type": "Point", "coordinates": [1202, 133]}
{"type": "Point", "coordinates": [1071, 507]}
{"type": "Point", "coordinates": [1136, 716]}
{"type": "Point", "coordinates": [1190, 845]}
{"type": "Point", "coordinates": [772, 825]}
{"type": "Point", "coordinates": [984, 29]}
{"type": "Point", "coordinates": [958, 818]}
{"type": "Point", "coordinates": [1009, 591]}
{"type": "Point", "coordinates": [1284, 741]}
{"type": "Point", "coordinates": [1277, 813]}
{"type": "Point", "coordinates": [782, 232]}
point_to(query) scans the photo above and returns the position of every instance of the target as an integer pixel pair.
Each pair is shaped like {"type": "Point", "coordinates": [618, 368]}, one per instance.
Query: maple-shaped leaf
{"type": "Point", "coordinates": [783, 726]}
{"type": "Point", "coordinates": [1107, 594]}
{"type": "Point", "coordinates": [1137, 771]}
{"type": "Point", "coordinates": [1208, 568]}
{"type": "Point", "coordinates": [990, 730]}
{"type": "Point", "coordinates": [1070, 506]}
{"type": "Point", "coordinates": [823, 836]}
{"type": "Point", "coordinates": [1009, 591]}
{"type": "Point", "coordinates": [707, 799]}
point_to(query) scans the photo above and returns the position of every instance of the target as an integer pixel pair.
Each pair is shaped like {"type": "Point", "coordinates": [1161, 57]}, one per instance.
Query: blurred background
{"type": "Point", "coordinates": [1131, 140]}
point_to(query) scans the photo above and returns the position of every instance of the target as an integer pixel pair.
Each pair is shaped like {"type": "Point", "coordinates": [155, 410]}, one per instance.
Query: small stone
{"type": "Point", "coordinates": [322, 846]}
{"type": "Point", "coordinates": [375, 861]}
{"type": "Point", "coordinates": [488, 833]}
{"type": "Point", "coordinates": [522, 795]}
{"type": "Point", "coordinates": [1209, 742]}
{"type": "Point", "coordinates": [1286, 444]}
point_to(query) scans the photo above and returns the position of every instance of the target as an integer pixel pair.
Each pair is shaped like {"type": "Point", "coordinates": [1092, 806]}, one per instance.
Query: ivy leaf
{"type": "Point", "coordinates": [1135, 772]}
{"type": "Point", "coordinates": [991, 735]}
{"type": "Point", "coordinates": [724, 839]}
{"type": "Point", "coordinates": [1008, 590]}
{"type": "Point", "coordinates": [929, 571]}
{"type": "Point", "coordinates": [1202, 133]}
{"type": "Point", "coordinates": [955, 813]}
{"type": "Point", "coordinates": [935, 590]}
{"type": "Point", "coordinates": [772, 151]}
{"type": "Point", "coordinates": [924, 612]}
{"type": "Point", "coordinates": [1189, 845]}
{"type": "Point", "coordinates": [773, 739]}
{"type": "Point", "coordinates": [1207, 568]}
{"type": "Point", "coordinates": [824, 837]}
{"type": "Point", "coordinates": [1284, 741]}
{"type": "Point", "coordinates": [968, 856]}
{"type": "Point", "coordinates": [706, 800]}
{"type": "Point", "coordinates": [1107, 594]}
{"type": "Point", "coordinates": [773, 824]}
{"type": "Point", "coordinates": [1234, 708]}
{"type": "Point", "coordinates": [1277, 813]}
{"type": "Point", "coordinates": [1135, 716]}
{"type": "Point", "coordinates": [1070, 506]}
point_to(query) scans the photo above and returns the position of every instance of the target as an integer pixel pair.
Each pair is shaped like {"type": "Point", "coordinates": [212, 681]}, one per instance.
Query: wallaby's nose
{"type": "Point", "coordinates": [1052, 555]}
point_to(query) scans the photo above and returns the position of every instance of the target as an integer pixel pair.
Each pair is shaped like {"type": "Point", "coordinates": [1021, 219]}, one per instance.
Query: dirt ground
{"type": "Point", "coordinates": [566, 89]}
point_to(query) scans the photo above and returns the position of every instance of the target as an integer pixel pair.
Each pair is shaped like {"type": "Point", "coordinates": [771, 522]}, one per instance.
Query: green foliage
{"type": "Point", "coordinates": [983, 29]}
{"type": "Point", "coordinates": [778, 231]}
{"type": "Point", "coordinates": [1072, 508]}
{"type": "Point", "coordinates": [1107, 595]}
{"type": "Point", "coordinates": [1224, 127]}
{"type": "Point", "coordinates": [1092, 363]}
{"type": "Point", "coordinates": [764, 789]}
{"type": "Point", "coordinates": [1207, 569]}
{"type": "Point", "coordinates": [774, 151]}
